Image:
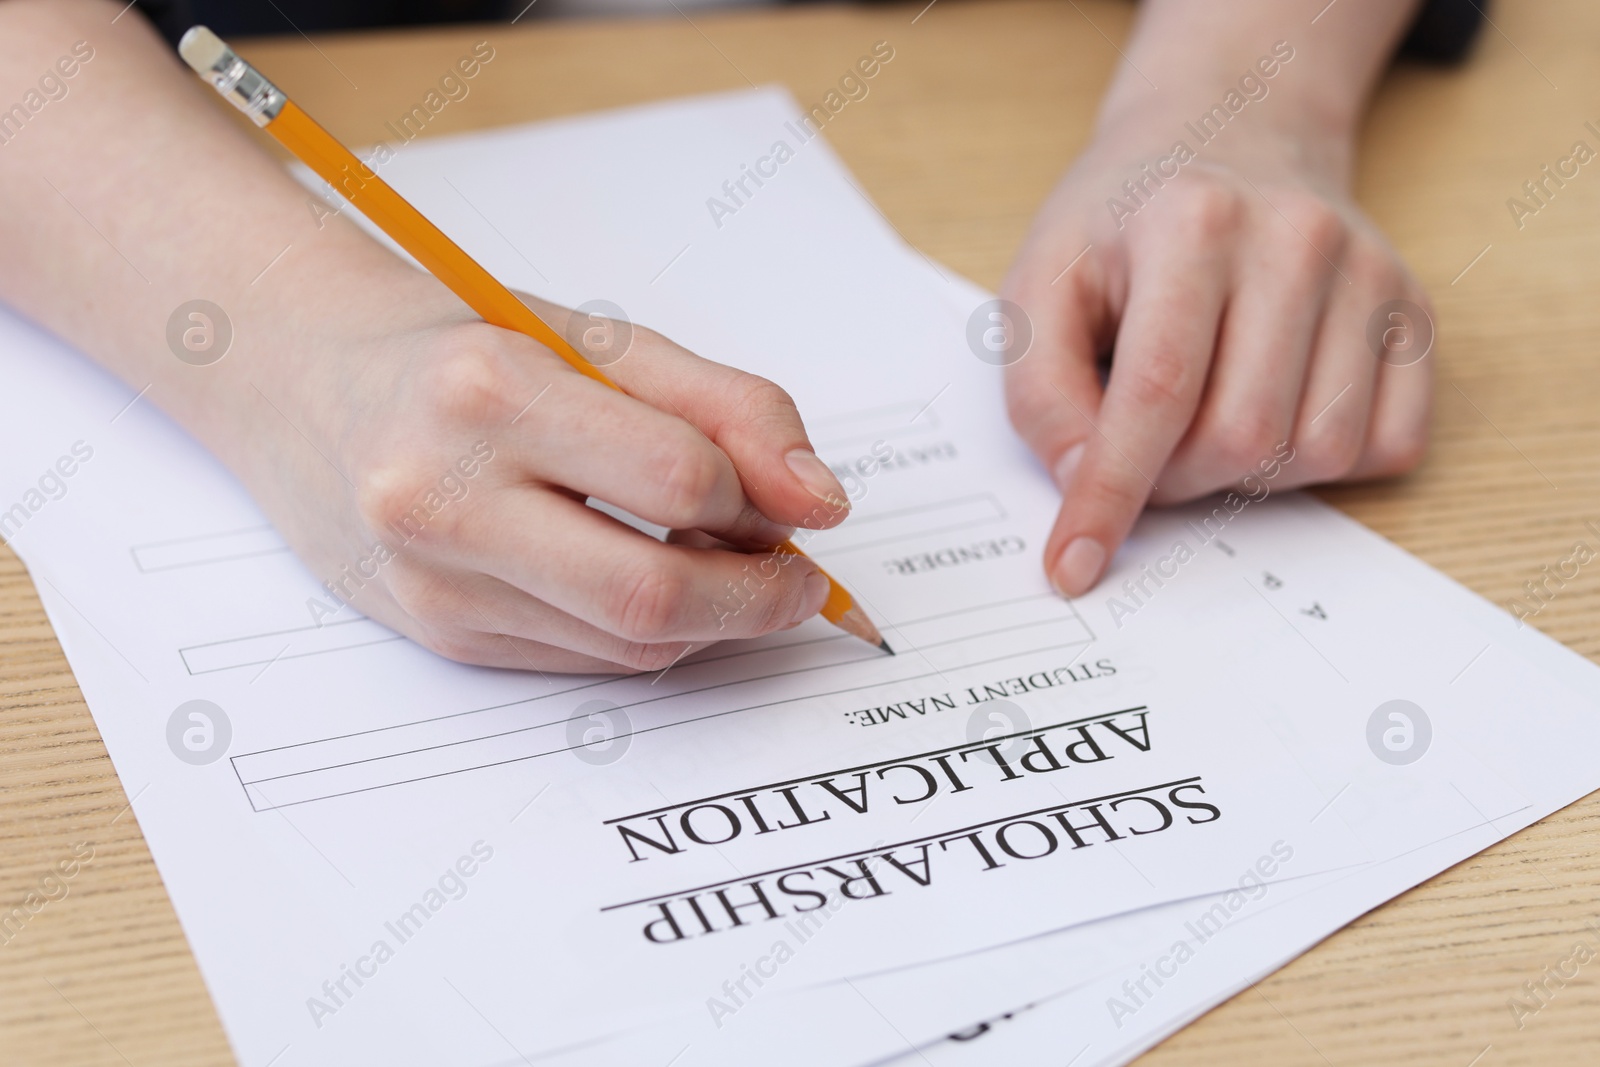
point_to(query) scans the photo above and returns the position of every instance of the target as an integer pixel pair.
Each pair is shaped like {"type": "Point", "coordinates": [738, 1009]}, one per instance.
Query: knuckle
{"type": "Point", "coordinates": [646, 605]}
{"type": "Point", "coordinates": [764, 392]}
{"type": "Point", "coordinates": [1108, 496]}
{"type": "Point", "coordinates": [471, 380]}
{"type": "Point", "coordinates": [1245, 438]}
{"type": "Point", "coordinates": [1328, 453]}
{"type": "Point", "coordinates": [1160, 380]}
{"type": "Point", "coordinates": [398, 500]}
{"type": "Point", "coordinates": [1209, 211]}
{"type": "Point", "coordinates": [646, 656]}
{"type": "Point", "coordinates": [1376, 268]}
{"type": "Point", "coordinates": [764, 400]}
{"type": "Point", "coordinates": [1319, 223]}
{"type": "Point", "coordinates": [776, 608]}
{"type": "Point", "coordinates": [687, 482]}
{"type": "Point", "coordinates": [1399, 450]}
{"type": "Point", "coordinates": [386, 497]}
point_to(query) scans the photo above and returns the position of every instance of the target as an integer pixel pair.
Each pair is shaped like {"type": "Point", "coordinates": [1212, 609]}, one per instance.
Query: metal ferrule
{"type": "Point", "coordinates": [246, 87]}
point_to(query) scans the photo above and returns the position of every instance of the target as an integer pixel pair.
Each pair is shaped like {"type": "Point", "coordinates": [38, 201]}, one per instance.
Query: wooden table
{"type": "Point", "coordinates": [958, 142]}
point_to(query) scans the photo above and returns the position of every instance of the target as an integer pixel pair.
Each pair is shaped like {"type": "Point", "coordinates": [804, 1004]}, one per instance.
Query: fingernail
{"type": "Point", "coordinates": [813, 596]}
{"type": "Point", "coordinates": [1067, 466]}
{"type": "Point", "coordinates": [817, 478]}
{"type": "Point", "coordinates": [1079, 567]}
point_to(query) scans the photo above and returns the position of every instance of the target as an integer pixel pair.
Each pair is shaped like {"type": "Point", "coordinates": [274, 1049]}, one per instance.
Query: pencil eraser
{"type": "Point", "coordinates": [200, 48]}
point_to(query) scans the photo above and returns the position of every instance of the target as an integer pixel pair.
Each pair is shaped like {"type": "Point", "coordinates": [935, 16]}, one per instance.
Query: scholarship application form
{"type": "Point", "coordinates": [378, 854]}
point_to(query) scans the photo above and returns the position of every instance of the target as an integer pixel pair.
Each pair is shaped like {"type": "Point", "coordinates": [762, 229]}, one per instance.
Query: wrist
{"type": "Point", "coordinates": [304, 341]}
{"type": "Point", "coordinates": [1248, 121]}
{"type": "Point", "coordinates": [1277, 94]}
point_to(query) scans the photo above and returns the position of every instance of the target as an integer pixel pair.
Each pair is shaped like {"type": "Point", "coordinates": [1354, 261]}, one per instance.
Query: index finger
{"type": "Point", "coordinates": [749, 419]}
{"type": "Point", "coordinates": [755, 423]}
{"type": "Point", "coordinates": [1163, 353]}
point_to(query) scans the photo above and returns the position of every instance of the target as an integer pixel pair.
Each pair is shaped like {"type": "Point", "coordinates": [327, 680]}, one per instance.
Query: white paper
{"type": "Point", "coordinates": [374, 795]}
{"type": "Point", "coordinates": [1514, 723]}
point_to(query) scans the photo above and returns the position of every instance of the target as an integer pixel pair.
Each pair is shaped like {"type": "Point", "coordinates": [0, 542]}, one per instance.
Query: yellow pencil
{"type": "Point", "coordinates": [268, 108]}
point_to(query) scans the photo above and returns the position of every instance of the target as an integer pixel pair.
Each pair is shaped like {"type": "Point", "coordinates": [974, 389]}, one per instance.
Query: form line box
{"type": "Point", "coordinates": [906, 524]}
{"type": "Point", "coordinates": [761, 674]}
{"type": "Point", "coordinates": [260, 649]}
{"type": "Point", "coordinates": [207, 548]}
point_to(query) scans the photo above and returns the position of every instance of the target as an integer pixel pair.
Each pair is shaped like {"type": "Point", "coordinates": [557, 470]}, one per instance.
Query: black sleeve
{"type": "Point", "coordinates": [1442, 33]}
{"type": "Point", "coordinates": [1444, 30]}
{"type": "Point", "coordinates": [240, 17]}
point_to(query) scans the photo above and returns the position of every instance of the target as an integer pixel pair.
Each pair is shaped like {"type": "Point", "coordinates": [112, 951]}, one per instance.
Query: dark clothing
{"type": "Point", "coordinates": [1443, 32]}
{"type": "Point", "coordinates": [238, 18]}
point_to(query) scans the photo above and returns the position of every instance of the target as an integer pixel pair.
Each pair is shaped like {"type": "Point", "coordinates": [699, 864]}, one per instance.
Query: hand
{"type": "Point", "coordinates": [1235, 300]}
{"type": "Point", "coordinates": [431, 468]}
{"type": "Point", "coordinates": [445, 493]}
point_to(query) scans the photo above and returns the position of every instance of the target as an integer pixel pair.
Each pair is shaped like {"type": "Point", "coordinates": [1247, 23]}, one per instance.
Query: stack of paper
{"type": "Point", "coordinates": [1118, 810]}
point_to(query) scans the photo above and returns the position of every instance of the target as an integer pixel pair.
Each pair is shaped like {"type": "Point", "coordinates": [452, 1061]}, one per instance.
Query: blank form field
{"type": "Point", "coordinates": [874, 424]}
{"type": "Point", "coordinates": [905, 524]}
{"type": "Point", "coordinates": [207, 548]}
{"type": "Point", "coordinates": [722, 681]}
{"type": "Point", "coordinates": [262, 649]}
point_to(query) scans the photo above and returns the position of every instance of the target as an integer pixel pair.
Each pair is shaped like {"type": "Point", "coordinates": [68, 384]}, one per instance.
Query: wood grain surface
{"type": "Point", "coordinates": [958, 141]}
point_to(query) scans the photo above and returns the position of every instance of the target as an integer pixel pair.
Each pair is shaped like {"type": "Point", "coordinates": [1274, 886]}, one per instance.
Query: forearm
{"type": "Point", "coordinates": [1195, 53]}
{"type": "Point", "coordinates": [132, 194]}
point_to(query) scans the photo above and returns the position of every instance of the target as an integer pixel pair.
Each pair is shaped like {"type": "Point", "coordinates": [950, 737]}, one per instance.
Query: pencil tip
{"type": "Point", "coordinates": [854, 621]}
